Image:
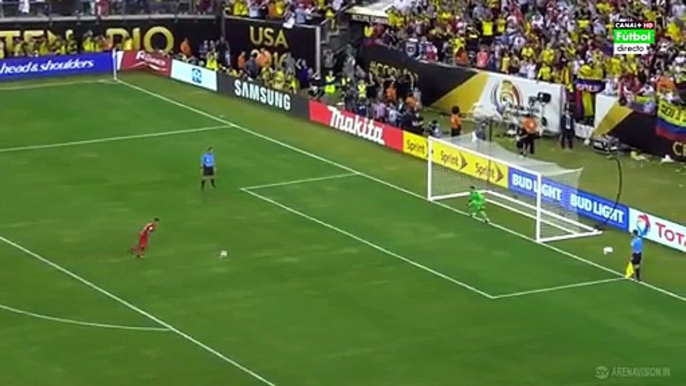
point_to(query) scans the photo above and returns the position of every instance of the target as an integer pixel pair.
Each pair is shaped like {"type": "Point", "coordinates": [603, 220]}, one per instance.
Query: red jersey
{"type": "Point", "coordinates": [149, 227]}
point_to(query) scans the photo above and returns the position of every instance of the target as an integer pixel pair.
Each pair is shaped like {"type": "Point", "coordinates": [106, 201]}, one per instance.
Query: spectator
{"type": "Point", "coordinates": [548, 40]}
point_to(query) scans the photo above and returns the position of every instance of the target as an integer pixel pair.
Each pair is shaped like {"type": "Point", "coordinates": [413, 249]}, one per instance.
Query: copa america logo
{"type": "Point", "coordinates": [643, 224]}
{"type": "Point", "coordinates": [506, 95]}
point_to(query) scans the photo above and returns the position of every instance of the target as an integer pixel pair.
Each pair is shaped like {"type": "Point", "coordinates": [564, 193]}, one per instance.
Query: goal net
{"type": "Point", "coordinates": [541, 191]}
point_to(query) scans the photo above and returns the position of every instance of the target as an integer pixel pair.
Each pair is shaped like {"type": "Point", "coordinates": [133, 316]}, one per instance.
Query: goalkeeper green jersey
{"type": "Point", "coordinates": [476, 197]}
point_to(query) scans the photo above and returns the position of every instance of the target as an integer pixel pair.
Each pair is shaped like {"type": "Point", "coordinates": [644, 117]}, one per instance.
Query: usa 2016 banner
{"type": "Point", "coordinates": [24, 68]}
{"type": "Point", "coordinates": [148, 33]}
{"type": "Point", "coordinates": [249, 35]}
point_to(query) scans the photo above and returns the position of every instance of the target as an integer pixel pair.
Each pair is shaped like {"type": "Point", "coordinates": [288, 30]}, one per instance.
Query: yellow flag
{"type": "Point", "coordinates": [629, 271]}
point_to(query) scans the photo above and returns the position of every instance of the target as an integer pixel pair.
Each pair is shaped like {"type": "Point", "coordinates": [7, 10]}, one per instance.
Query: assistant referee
{"type": "Point", "coordinates": [208, 168]}
{"type": "Point", "coordinates": [637, 253]}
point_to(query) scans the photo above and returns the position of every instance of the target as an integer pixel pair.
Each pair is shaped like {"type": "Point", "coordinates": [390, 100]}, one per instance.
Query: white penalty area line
{"type": "Point", "coordinates": [368, 243]}
{"type": "Point", "coordinates": [137, 310]}
{"type": "Point", "coordinates": [33, 86]}
{"type": "Point", "coordinates": [113, 139]}
{"type": "Point", "coordinates": [390, 185]}
{"type": "Point", "coordinates": [301, 181]}
{"type": "Point", "coordinates": [81, 322]}
{"type": "Point", "coordinates": [558, 288]}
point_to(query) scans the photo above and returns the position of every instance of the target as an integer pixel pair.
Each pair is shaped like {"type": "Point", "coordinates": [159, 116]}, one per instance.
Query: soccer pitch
{"type": "Point", "coordinates": [339, 272]}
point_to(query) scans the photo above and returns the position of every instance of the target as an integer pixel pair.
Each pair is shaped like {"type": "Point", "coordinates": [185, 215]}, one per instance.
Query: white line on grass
{"type": "Point", "coordinates": [390, 185]}
{"type": "Point", "coordinates": [369, 243]}
{"type": "Point", "coordinates": [557, 288]}
{"type": "Point", "coordinates": [138, 310]}
{"type": "Point", "coordinates": [302, 181]}
{"type": "Point", "coordinates": [20, 87]}
{"type": "Point", "coordinates": [113, 139]}
{"type": "Point", "coordinates": [80, 322]}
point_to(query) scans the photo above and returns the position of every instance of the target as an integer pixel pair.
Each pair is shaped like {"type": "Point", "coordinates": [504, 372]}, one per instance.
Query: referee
{"type": "Point", "coordinates": [208, 168]}
{"type": "Point", "coordinates": [636, 253]}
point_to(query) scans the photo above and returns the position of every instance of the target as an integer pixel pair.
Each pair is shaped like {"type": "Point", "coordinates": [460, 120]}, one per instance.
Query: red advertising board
{"type": "Point", "coordinates": [141, 60]}
{"type": "Point", "coordinates": [356, 125]}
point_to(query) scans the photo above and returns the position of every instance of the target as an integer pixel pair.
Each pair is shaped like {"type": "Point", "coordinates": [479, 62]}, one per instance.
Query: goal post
{"type": "Point", "coordinates": [541, 191]}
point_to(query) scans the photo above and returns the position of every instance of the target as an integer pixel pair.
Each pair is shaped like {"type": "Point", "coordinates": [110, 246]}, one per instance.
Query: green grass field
{"type": "Point", "coordinates": [339, 273]}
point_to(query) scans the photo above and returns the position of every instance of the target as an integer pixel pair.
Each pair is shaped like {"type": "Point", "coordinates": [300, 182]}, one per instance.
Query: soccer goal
{"type": "Point", "coordinates": [541, 191]}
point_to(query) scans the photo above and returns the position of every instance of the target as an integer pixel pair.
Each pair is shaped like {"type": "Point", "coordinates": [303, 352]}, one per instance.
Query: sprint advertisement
{"type": "Point", "coordinates": [470, 164]}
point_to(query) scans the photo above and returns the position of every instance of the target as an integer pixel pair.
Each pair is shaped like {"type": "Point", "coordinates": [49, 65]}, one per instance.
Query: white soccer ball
{"type": "Point", "coordinates": [607, 250]}
{"type": "Point", "coordinates": [223, 254]}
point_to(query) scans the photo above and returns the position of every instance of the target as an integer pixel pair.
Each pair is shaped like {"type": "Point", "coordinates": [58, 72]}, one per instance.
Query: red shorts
{"type": "Point", "coordinates": [142, 242]}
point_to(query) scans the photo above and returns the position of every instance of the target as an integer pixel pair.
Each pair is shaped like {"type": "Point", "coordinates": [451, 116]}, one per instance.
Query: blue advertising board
{"type": "Point", "coordinates": [23, 68]}
{"type": "Point", "coordinates": [569, 198]}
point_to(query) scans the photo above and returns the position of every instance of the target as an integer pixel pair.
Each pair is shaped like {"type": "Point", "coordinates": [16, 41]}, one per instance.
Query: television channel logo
{"type": "Point", "coordinates": [633, 38]}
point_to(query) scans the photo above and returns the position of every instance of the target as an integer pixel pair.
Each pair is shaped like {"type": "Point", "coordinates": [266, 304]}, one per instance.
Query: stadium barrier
{"type": "Point", "coordinates": [49, 66]}
{"type": "Point", "coordinates": [147, 32]}
{"type": "Point", "coordinates": [142, 60]}
{"type": "Point", "coordinates": [446, 86]}
{"type": "Point", "coordinates": [246, 89]}
{"type": "Point", "coordinates": [194, 75]}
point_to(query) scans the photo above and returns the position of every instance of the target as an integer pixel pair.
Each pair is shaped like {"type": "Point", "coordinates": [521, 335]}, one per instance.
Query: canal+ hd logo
{"type": "Point", "coordinates": [633, 38]}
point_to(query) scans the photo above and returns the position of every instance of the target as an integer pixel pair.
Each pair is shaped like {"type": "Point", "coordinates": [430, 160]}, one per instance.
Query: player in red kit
{"type": "Point", "coordinates": [144, 237]}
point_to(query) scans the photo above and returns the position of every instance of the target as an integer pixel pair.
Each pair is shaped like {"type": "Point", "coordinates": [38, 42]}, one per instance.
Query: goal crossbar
{"type": "Point", "coordinates": [451, 161]}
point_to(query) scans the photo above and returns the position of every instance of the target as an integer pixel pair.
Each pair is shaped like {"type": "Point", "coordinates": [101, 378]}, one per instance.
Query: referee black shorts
{"type": "Point", "coordinates": [636, 258]}
{"type": "Point", "coordinates": [208, 171]}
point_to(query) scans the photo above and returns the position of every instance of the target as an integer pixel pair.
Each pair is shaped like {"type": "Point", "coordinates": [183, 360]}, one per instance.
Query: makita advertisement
{"type": "Point", "coordinates": [356, 125]}
{"type": "Point", "coordinates": [585, 204]}
{"type": "Point", "coordinates": [141, 60]}
{"type": "Point", "coordinates": [11, 69]}
{"type": "Point", "coordinates": [658, 230]}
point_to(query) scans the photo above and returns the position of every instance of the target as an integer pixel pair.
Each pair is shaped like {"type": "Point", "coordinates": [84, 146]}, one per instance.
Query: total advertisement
{"type": "Point", "coordinates": [365, 128]}
{"type": "Point", "coordinates": [661, 231]}
{"type": "Point", "coordinates": [256, 92]}
{"type": "Point", "coordinates": [194, 75]}
{"type": "Point", "coordinates": [504, 93]}
{"type": "Point", "coordinates": [11, 69]}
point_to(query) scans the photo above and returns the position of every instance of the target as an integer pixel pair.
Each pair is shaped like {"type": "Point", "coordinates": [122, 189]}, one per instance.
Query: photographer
{"type": "Point", "coordinates": [567, 130]}
{"type": "Point", "coordinates": [455, 122]}
{"type": "Point", "coordinates": [434, 130]}
{"type": "Point", "coordinates": [527, 135]}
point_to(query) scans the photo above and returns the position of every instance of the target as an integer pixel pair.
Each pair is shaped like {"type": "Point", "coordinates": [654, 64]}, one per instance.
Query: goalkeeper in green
{"type": "Point", "coordinates": [477, 204]}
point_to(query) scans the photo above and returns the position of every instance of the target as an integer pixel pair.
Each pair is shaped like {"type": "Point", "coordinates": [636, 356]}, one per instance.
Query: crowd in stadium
{"type": "Point", "coordinates": [553, 41]}
{"type": "Point", "coordinates": [548, 40]}
{"type": "Point", "coordinates": [292, 11]}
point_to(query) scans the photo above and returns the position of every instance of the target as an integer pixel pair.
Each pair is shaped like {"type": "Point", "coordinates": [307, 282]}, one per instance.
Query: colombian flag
{"type": "Point", "coordinates": [584, 94]}
{"type": "Point", "coordinates": [671, 121]}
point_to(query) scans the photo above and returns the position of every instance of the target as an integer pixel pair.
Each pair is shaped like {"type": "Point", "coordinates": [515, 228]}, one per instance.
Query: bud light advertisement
{"type": "Point", "coordinates": [25, 68]}
{"type": "Point", "coordinates": [566, 197]}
